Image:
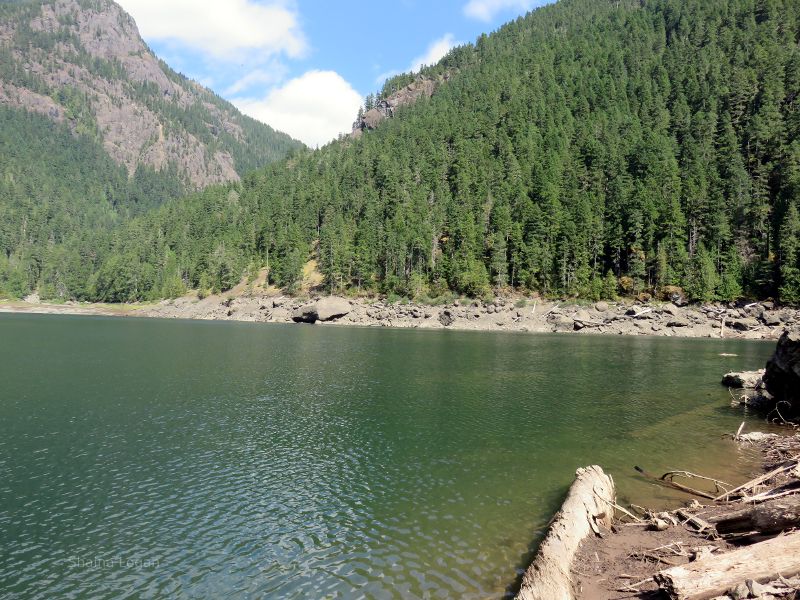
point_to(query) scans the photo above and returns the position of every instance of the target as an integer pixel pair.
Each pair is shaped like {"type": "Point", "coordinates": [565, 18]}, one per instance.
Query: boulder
{"type": "Point", "coordinates": [678, 322]}
{"type": "Point", "coordinates": [745, 324]}
{"type": "Point", "coordinates": [305, 314]}
{"type": "Point", "coordinates": [670, 310]}
{"type": "Point", "coordinates": [324, 309]}
{"type": "Point", "coordinates": [561, 323]}
{"type": "Point", "coordinates": [782, 376]}
{"type": "Point", "coordinates": [674, 294]}
{"type": "Point", "coordinates": [601, 306]}
{"type": "Point", "coordinates": [743, 380]}
{"type": "Point", "coordinates": [446, 317]}
{"type": "Point", "coordinates": [332, 308]}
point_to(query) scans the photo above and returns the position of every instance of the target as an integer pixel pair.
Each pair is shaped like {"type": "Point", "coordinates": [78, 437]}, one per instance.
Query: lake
{"type": "Point", "coordinates": [149, 458]}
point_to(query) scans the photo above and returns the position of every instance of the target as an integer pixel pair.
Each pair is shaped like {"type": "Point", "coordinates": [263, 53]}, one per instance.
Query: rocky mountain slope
{"type": "Point", "coordinates": [422, 87]}
{"type": "Point", "coordinates": [83, 63]}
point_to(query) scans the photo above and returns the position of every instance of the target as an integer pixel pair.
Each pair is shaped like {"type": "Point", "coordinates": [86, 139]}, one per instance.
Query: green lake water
{"type": "Point", "coordinates": [150, 458]}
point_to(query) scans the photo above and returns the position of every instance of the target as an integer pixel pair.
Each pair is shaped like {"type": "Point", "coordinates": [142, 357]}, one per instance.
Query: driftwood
{"type": "Point", "coordinates": [588, 506]}
{"type": "Point", "coordinates": [751, 485]}
{"type": "Point", "coordinates": [700, 524]}
{"type": "Point", "coordinates": [667, 482]}
{"type": "Point", "coordinates": [770, 517]}
{"type": "Point", "coordinates": [720, 485]}
{"type": "Point", "coordinates": [714, 575]}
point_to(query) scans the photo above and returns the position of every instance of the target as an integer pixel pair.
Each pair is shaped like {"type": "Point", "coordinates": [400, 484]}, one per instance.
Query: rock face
{"type": "Point", "coordinates": [782, 377]}
{"type": "Point", "coordinates": [422, 88]}
{"type": "Point", "coordinates": [84, 63]}
{"type": "Point", "coordinates": [324, 309]}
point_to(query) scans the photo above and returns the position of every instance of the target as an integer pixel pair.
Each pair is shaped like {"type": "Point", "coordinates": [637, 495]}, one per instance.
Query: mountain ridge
{"type": "Point", "coordinates": [83, 62]}
{"type": "Point", "coordinates": [588, 149]}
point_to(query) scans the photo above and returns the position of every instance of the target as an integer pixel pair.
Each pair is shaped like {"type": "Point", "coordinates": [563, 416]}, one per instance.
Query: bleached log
{"type": "Point", "coordinates": [753, 483]}
{"type": "Point", "coordinates": [773, 516]}
{"type": "Point", "coordinates": [714, 575]}
{"type": "Point", "coordinates": [589, 505]}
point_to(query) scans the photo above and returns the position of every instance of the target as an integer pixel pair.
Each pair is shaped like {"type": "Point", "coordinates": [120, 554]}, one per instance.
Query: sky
{"type": "Point", "coordinates": [305, 66]}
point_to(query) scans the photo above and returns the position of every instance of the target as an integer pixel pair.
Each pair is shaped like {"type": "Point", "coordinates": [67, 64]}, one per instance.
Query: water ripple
{"type": "Point", "coordinates": [154, 459]}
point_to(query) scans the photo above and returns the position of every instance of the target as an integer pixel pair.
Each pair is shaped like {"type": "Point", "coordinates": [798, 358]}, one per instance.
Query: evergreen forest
{"type": "Point", "coordinates": [592, 148]}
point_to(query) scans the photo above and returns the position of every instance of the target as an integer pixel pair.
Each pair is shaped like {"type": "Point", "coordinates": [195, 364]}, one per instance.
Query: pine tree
{"type": "Point", "coordinates": [790, 256]}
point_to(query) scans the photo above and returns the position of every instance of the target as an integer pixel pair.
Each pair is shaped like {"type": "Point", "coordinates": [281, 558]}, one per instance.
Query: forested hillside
{"type": "Point", "coordinates": [94, 129]}
{"type": "Point", "coordinates": [592, 148]}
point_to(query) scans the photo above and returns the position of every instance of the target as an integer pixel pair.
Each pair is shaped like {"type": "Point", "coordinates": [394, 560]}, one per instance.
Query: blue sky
{"type": "Point", "coordinates": [304, 66]}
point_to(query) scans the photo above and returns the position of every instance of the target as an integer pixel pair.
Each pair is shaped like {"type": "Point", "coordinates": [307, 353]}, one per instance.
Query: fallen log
{"type": "Point", "coordinates": [588, 506]}
{"type": "Point", "coordinates": [666, 482]}
{"type": "Point", "coordinates": [714, 575]}
{"type": "Point", "coordinates": [773, 516]}
{"type": "Point", "coordinates": [753, 483]}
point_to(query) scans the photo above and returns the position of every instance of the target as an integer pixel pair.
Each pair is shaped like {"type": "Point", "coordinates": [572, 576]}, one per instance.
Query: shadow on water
{"type": "Point", "coordinates": [554, 499]}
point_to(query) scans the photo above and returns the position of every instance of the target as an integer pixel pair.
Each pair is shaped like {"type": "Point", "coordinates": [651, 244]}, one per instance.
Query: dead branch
{"type": "Point", "coordinates": [674, 485]}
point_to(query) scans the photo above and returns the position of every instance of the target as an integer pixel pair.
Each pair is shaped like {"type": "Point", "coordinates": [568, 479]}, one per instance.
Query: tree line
{"type": "Point", "coordinates": [588, 149]}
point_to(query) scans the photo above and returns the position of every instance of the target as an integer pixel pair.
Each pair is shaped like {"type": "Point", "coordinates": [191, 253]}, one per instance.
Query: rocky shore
{"type": "Point", "coordinates": [762, 320]}
{"type": "Point", "coordinates": [759, 320]}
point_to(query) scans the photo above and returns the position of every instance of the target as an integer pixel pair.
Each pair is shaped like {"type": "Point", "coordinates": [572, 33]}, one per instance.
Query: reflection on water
{"type": "Point", "coordinates": [217, 459]}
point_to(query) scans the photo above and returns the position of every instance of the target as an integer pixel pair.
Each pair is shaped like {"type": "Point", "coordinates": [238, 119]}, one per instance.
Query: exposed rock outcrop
{"type": "Point", "coordinates": [385, 109]}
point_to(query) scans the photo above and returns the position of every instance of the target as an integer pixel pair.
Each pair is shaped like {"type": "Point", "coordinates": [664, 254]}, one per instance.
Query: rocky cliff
{"type": "Point", "coordinates": [83, 62]}
{"type": "Point", "coordinates": [423, 87]}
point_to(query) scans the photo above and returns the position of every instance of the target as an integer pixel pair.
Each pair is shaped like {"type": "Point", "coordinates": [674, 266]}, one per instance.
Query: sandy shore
{"type": "Point", "coordinates": [760, 320]}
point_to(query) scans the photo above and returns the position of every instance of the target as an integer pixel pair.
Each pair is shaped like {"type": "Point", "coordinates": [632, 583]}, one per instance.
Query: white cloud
{"type": "Point", "coordinates": [485, 10]}
{"type": "Point", "coordinates": [433, 55]}
{"type": "Point", "coordinates": [315, 107]}
{"type": "Point", "coordinates": [271, 75]}
{"type": "Point", "coordinates": [435, 52]}
{"type": "Point", "coordinates": [221, 29]}
{"type": "Point", "coordinates": [380, 79]}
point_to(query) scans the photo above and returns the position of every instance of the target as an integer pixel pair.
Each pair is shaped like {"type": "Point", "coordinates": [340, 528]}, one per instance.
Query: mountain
{"type": "Point", "coordinates": [94, 129]}
{"type": "Point", "coordinates": [589, 149]}
{"type": "Point", "coordinates": [83, 63]}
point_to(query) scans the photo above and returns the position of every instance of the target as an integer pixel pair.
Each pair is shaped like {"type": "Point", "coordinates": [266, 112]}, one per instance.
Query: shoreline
{"type": "Point", "coordinates": [645, 547]}
{"type": "Point", "coordinates": [755, 321]}
{"type": "Point", "coordinates": [737, 541]}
